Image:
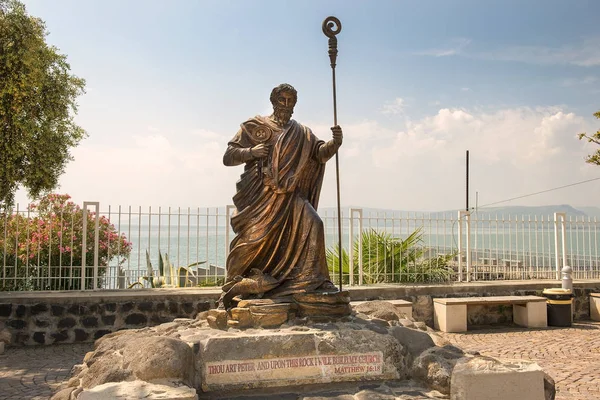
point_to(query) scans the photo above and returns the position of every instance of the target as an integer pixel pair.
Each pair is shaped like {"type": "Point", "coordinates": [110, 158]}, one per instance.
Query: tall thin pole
{"type": "Point", "coordinates": [467, 206]}
{"type": "Point", "coordinates": [331, 27]}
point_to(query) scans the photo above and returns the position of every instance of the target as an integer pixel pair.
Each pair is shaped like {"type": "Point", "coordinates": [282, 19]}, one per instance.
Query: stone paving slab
{"type": "Point", "coordinates": [570, 355]}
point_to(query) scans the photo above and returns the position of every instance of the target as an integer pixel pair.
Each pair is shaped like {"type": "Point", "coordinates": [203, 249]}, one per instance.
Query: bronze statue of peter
{"type": "Point", "coordinates": [279, 247]}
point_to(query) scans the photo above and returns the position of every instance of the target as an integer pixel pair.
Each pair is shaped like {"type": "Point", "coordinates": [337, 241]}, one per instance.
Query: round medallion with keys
{"type": "Point", "coordinates": [261, 134]}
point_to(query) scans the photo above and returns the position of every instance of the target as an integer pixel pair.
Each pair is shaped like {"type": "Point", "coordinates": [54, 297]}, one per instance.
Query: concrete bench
{"type": "Point", "coordinates": [402, 306]}
{"type": "Point", "coordinates": [595, 306]}
{"type": "Point", "coordinates": [450, 314]}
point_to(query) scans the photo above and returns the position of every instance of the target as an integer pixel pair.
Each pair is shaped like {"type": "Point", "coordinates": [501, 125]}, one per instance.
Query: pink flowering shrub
{"type": "Point", "coordinates": [42, 249]}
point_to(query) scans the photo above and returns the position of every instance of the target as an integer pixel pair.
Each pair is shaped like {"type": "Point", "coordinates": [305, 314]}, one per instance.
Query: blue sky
{"type": "Point", "coordinates": [168, 84]}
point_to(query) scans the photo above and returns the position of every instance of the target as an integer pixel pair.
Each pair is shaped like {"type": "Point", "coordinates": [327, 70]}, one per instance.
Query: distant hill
{"type": "Point", "coordinates": [482, 212]}
{"type": "Point", "coordinates": [591, 211]}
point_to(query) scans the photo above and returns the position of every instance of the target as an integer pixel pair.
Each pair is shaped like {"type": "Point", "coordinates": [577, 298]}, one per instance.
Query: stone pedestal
{"type": "Point", "coordinates": [262, 358]}
{"type": "Point", "coordinates": [487, 378]}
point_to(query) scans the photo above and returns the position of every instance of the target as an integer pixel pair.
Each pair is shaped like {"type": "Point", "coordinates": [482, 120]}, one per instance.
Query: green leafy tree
{"type": "Point", "coordinates": [37, 106]}
{"type": "Point", "coordinates": [41, 249]}
{"type": "Point", "coordinates": [595, 138]}
{"type": "Point", "coordinates": [386, 258]}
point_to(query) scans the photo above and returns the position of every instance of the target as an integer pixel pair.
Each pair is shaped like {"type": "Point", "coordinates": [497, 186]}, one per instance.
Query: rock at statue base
{"type": "Point", "coordinates": [217, 319]}
{"type": "Point", "coordinates": [323, 305]}
{"type": "Point", "coordinates": [138, 390]}
{"type": "Point", "coordinates": [261, 313]}
{"type": "Point", "coordinates": [487, 378]}
{"type": "Point", "coordinates": [265, 358]}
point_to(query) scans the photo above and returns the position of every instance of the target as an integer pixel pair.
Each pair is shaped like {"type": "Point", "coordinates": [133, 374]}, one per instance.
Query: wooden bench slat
{"type": "Point", "coordinates": [491, 300]}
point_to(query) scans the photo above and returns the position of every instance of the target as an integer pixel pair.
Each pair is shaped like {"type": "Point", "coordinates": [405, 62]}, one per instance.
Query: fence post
{"type": "Point", "coordinates": [562, 217]}
{"type": "Point", "coordinates": [84, 242]}
{"type": "Point", "coordinates": [227, 228]}
{"type": "Point", "coordinates": [466, 214]}
{"type": "Point", "coordinates": [351, 245]}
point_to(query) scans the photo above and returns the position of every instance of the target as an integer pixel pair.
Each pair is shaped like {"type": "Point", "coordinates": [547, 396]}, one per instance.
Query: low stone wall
{"type": "Point", "coordinates": [35, 318]}
{"type": "Point", "coordinates": [68, 317]}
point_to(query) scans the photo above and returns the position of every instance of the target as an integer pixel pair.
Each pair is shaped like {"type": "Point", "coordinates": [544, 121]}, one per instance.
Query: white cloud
{"type": "Point", "coordinates": [586, 80]}
{"type": "Point", "coordinates": [465, 89]}
{"type": "Point", "coordinates": [454, 47]}
{"type": "Point", "coordinates": [513, 151]}
{"type": "Point", "coordinates": [416, 165]}
{"type": "Point", "coordinates": [584, 54]}
{"type": "Point", "coordinates": [152, 171]}
{"type": "Point", "coordinates": [393, 107]}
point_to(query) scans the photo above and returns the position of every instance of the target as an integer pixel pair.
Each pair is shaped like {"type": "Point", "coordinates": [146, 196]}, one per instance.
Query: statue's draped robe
{"type": "Point", "coordinates": [276, 224]}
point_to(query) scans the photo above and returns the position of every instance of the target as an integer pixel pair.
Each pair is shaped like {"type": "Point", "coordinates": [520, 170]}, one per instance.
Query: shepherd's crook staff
{"type": "Point", "coordinates": [331, 27]}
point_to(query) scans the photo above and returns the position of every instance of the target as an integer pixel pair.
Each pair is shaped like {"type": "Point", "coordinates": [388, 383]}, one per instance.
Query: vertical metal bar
{"type": "Point", "coordinates": [139, 237]}
{"type": "Point", "coordinates": [187, 262]}
{"type": "Point", "coordinates": [198, 237]}
{"type": "Point", "coordinates": [178, 237]}
{"type": "Point", "coordinates": [5, 242]}
{"type": "Point", "coordinates": [216, 238]}
{"type": "Point", "coordinates": [468, 243]}
{"type": "Point", "coordinates": [96, 243]}
{"type": "Point", "coordinates": [564, 241]}
{"type": "Point", "coordinates": [120, 279]}
{"type": "Point", "coordinates": [350, 247]}
{"type": "Point", "coordinates": [460, 253]}
{"type": "Point", "coordinates": [360, 248]}
{"type": "Point", "coordinates": [129, 236]}
{"type": "Point", "coordinates": [556, 246]}
{"type": "Point", "coordinates": [83, 246]}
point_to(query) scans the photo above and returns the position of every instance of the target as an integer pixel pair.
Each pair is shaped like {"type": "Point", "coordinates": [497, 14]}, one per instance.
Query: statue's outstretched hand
{"type": "Point", "coordinates": [259, 151]}
{"type": "Point", "coordinates": [338, 137]}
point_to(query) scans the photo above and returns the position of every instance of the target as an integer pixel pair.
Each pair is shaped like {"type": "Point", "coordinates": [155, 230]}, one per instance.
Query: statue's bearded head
{"type": "Point", "coordinates": [283, 98]}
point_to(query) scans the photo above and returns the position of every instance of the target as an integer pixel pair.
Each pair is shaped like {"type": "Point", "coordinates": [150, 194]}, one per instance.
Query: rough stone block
{"type": "Point", "coordinates": [42, 323]}
{"type": "Point", "coordinates": [66, 323]}
{"type": "Point", "coordinates": [16, 323]}
{"type": "Point", "coordinates": [145, 306]}
{"type": "Point", "coordinates": [260, 359]}
{"type": "Point", "coordinates": [136, 319]}
{"type": "Point", "coordinates": [487, 378]}
{"type": "Point", "coordinates": [188, 308]}
{"type": "Point", "coordinates": [57, 310]}
{"type": "Point", "coordinates": [39, 337]}
{"type": "Point", "coordinates": [108, 319]}
{"type": "Point", "coordinates": [77, 309]}
{"type": "Point", "coordinates": [5, 310]}
{"type": "Point", "coordinates": [39, 308]}
{"type": "Point", "coordinates": [108, 307]}
{"type": "Point", "coordinates": [99, 333]}
{"type": "Point", "coordinates": [89, 322]}
{"type": "Point", "coordinates": [60, 336]}
{"type": "Point", "coordinates": [20, 311]}
{"type": "Point", "coordinates": [81, 335]}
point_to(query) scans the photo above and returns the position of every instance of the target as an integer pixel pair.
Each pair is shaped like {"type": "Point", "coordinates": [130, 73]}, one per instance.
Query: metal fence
{"type": "Point", "coordinates": [86, 248]}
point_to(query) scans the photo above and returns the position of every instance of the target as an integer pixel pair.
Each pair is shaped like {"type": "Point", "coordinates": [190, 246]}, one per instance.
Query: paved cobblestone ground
{"type": "Point", "coordinates": [570, 355]}
{"type": "Point", "coordinates": [34, 372]}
